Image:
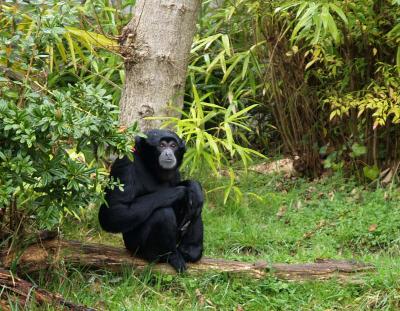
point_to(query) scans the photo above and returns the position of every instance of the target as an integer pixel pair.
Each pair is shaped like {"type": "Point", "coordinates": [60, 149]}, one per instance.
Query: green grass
{"type": "Point", "coordinates": [329, 218]}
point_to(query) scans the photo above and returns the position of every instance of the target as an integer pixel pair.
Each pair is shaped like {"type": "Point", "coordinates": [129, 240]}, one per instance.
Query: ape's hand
{"type": "Point", "coordinates": [194, 199]}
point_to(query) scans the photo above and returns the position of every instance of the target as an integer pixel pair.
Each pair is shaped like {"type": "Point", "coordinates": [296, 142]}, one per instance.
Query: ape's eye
{"type": "Point", "coordinates": [163, 145]}
{"type": "Point", "coordinates": [173, 145]}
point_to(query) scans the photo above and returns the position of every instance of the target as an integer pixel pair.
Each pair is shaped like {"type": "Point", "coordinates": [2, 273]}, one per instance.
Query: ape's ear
{"type": "Point", "coordinates": [182, 145]}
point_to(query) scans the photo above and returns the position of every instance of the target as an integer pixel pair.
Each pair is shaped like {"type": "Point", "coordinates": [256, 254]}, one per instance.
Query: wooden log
{"type": "Point", "coordinates": [98, 256]}
{"type": "Point", "coordinates": [4, 305]}
{"type": "Point", "coordinates": [25, 291]}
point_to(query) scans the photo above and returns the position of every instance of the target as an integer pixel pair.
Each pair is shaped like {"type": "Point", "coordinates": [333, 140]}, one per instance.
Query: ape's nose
{"type": "Point", "coordinates": [169, 154]}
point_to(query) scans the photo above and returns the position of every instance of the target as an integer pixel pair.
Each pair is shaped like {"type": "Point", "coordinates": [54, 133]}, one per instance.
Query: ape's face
{"type": "Point", "coordinates": [167, 148]}
{"type": "Point", "coordinates": [162, 150]}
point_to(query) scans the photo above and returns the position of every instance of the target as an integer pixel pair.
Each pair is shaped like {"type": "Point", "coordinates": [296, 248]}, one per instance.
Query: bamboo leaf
{"type": "Point", "coordinates": [213, 144]}
{"type": "Point", "coordinates": [226, 194]}
{"type": "Point", "coordinates": [332, 28]}
{"type": "Point", "coordinates": [93, 38]}
{"type": "Point", "coordinates": [211, 163]}
{"type": "Point", "coordinates": [206, 42]}
{"type": "Point", "coordinates": [339, 12]}
{"type": "Point", "coordinates": [245, 65]}
{"type": "Point", "coordinates": [241, 112]}
{"type": "Point", "coordinates": [398, 58]}
{"type": "Point", "coordinates": [226, 44]}
{"type": "Point", "coordinates": [304, 20]}
{"type": "Point", "coordinates": [318, 26]}
{"type": "Point", "coordinates": [71, 49]}
{"type": "Point", "coordinates": [301, 9]}
{"type": "Point", "coordinates": [61, 50]}
{"type": "Point", "coordinates": [231, 67]}
{"type": "Point", "coordinates": [324, 16]}
{"type": "Point", "coordinates": [214, 62]}
{"type": "Point", "coordinates": [223, 62]}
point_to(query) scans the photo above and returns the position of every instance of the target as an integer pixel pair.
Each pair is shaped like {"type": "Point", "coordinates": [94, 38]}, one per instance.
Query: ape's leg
{"type": "Point", "coordinates": [156, 239]}
{"type": "Point", "coordinates": [191, 244]}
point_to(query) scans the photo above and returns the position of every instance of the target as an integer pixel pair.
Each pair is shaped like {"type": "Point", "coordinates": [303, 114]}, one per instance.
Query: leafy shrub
{"type": "Point", "coordinates": [351, 58]}
{"type": "Point", "coordinates": [53, 132]}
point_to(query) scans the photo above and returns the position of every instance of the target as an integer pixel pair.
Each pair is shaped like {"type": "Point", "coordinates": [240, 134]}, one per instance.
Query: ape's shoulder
{"type": "Point", "coordinates": [120, 165]}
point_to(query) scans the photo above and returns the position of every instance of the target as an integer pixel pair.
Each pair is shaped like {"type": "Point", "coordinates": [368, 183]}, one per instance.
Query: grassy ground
{"type": "Point", "coordinates": [295, 221]}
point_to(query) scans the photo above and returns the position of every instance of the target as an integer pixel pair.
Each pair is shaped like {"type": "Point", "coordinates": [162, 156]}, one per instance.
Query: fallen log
{"type": "Point", "coordinates": [23, 292]}
{"type": "Point", "coordinates": [97, 256]}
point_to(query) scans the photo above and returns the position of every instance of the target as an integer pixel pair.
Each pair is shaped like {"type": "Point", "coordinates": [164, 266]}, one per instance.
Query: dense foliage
{"type": "Point", "coordinates": [325, 74]}
{"type": "Point", "coordinates": [318, 79]}
{"type": "Point", "coordinates": [57, 122]}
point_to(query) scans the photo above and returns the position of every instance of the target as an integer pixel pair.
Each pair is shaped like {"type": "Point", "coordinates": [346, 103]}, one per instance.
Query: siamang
{"type": "Point", "coordinates": [158, 215]}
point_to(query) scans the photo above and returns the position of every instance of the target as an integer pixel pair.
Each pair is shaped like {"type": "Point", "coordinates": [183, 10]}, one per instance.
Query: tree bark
{"type": "Point", "coordinates": [25, 291]}
{"type": "Point", "coordinates": [156, 45]}
{"type": "Point", "coordinates": [96, 256]}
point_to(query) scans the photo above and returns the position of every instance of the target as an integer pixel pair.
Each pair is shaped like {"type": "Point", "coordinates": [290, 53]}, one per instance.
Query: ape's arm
{"type": "Point", "coordinates": [125, 210]}
{"type": "Point", "coordinates": [195, 199]}
{"type": "Point", "coordinates": [123, 217]}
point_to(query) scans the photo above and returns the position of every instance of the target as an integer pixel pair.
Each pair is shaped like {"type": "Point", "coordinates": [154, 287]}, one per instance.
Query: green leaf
{"type": "Point", "coordinates": [245, 65]}
{"type": "Point", "coordinates": [93, 39]}
{"type": "Point", "coordinates": [72, 50]}
{"type": "Point", "coordinates": [358, 150]}
{"type": "Point", "coordinates": [331, 24]}
{"type": "Point", "coordinates": [231, 67]}
{"type": "Point", "coordinates": [398, 58]}
{"type": "Point", "coordinates": [371, 172]}
{"type": "Point", "coordinates": [318, 26]}
{"type": "Point", "coordinates": [241, 112]}
{"type": "Point", "coordinates": [339, 12]}
{"type": "Point", "coordinates": [227, 46]}
{"type": "Point", "coordinates": [304, 21]}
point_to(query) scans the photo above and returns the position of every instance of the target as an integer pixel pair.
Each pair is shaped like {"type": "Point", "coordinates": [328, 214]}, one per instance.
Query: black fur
{"type": "Point", "coordinates": [158, 215]}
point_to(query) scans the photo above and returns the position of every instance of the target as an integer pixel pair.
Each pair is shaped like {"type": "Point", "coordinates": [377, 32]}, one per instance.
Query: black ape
{"type": "Point", "coordinates": [158, 215]}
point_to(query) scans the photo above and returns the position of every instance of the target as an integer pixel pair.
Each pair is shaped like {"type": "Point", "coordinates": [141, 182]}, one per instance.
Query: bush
{"type": "Point", "coordinates": [53, 135]}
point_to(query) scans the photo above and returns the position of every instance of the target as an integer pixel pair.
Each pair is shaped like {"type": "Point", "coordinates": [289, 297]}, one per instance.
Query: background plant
{"type": "Point", "coordinates": [57, 122]}
{"type": "Point", "coordinates": [324, 73]}
{"type": "Point", "coordinates": [350, 62]}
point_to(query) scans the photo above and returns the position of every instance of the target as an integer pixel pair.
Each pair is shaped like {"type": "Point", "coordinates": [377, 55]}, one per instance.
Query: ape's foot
{"type": "Point", "coordinates": [191, 253]}
{"type": "Point", "coordinates": [177, 262]}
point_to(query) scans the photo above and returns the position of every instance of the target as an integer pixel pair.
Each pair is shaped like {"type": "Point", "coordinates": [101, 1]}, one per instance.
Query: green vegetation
{"type": "Point", "coordinates": [58, 121]}
{"type": "Point", "coordinates": [296, 221]}
{"type": "Point", "coordinates": [315, 79]}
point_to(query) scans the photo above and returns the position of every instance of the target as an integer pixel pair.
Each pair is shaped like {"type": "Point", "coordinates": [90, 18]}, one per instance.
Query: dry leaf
{"type": "Point", "coordinates": [279, 166]}
{"type": "Point", "coordinates": [321, 224]}
{"type": "Point", "coordinates": [281, 212]}
{"type": "Point", "coordinates": [298, 205]}
{"type": "Point", "coordinates": [372, 228]}
{"type": "Point", "coordinates": [122, 129]}
{"type": "Point", "coordinates": [200, 297]}
{"type": "Point", "coordinates": [386, 196]}
{"type": "Point", "coordinates": [387, 176]}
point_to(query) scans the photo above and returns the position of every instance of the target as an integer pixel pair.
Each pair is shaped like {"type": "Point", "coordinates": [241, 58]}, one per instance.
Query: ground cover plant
{"type": "Point", "coordinates": [295, 221]}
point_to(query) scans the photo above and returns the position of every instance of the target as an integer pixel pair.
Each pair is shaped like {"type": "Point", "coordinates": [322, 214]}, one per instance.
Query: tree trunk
{"type": "Point", "coordinates": [96, 256]}
{"type": "Point", "coordinates": [156, 45]}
